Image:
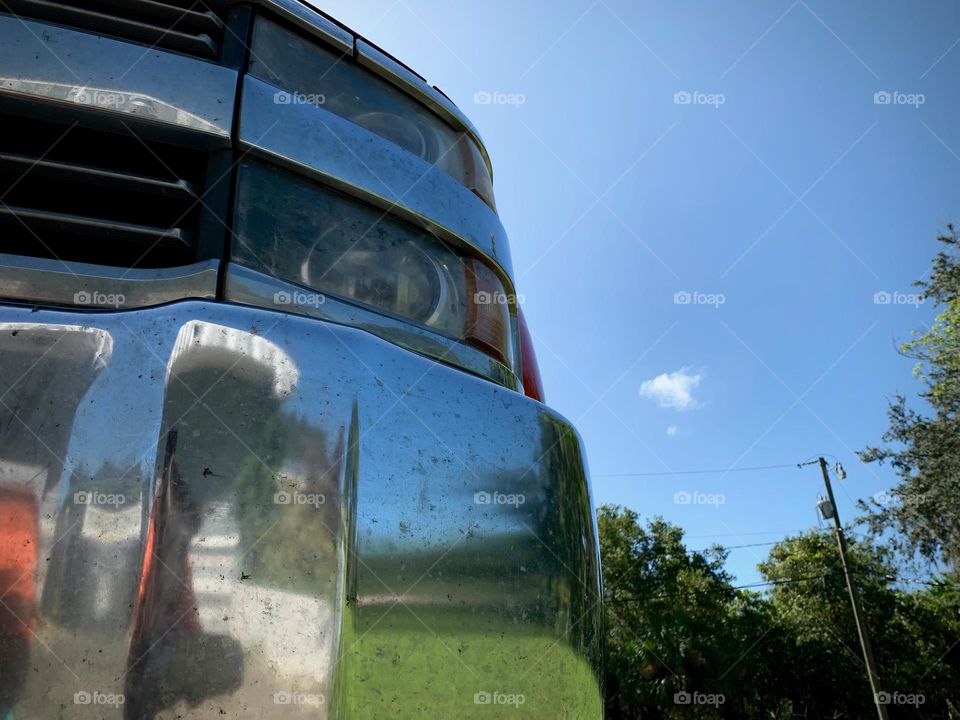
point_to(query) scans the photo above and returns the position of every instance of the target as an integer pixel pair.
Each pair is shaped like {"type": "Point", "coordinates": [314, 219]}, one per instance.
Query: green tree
{"type": "Point", "coordinates": [810, 601]}
{"type": "Point", "coordinates": [676, 625]}
{"type": "Point", "coordinates": [924, 447]}
{"type": "Point", "coordinates": [911, 632]}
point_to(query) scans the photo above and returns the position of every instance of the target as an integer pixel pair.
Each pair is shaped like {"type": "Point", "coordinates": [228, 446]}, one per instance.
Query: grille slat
{"type": "Point", "coordinates": [194, 20]}
{"type": "Point", "coordinates": [38, 220]}
{"type": "Point", "coordinates": [75, 193]}
{"type": "Point", "coordinates": [195, 28]}
{"type": "Point", "coordinates": [84, 174]}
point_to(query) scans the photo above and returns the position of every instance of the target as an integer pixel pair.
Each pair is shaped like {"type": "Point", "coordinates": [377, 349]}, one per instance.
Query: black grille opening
{"type": "Point", "coordinates": [78, 194]}
{"type": "Point", "coordinates": [191, 26]}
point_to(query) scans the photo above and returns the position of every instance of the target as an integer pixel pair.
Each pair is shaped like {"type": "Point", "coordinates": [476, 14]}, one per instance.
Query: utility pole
{"type": "Point", "coordinates": [854, 600]}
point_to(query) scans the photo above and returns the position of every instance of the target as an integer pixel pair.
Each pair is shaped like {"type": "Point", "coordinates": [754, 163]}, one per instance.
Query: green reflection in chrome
{"type": "Point", "coordinates": [406, 665]}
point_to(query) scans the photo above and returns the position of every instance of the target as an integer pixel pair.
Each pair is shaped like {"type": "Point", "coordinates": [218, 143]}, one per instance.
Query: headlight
{"type": "Point", "coordinates": [401, 131]}
{"type": "Point", "coordinates": [397, 275]}
{"type": "Point", "coordinates": [305, 233]}
{"type": "Point", "coordinates": [319, 76]}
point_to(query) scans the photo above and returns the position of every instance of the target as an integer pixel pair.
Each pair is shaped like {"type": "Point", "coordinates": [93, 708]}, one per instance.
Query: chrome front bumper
{"type": "Point", "coordinates": [238, 511]}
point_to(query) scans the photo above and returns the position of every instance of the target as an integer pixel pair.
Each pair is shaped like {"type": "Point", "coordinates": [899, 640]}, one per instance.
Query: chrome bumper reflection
{"type": "Point", "coordinates": [214, 509]}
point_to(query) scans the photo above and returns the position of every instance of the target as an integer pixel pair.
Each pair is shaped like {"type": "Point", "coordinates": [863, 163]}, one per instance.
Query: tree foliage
{"type": "Point", "coordinates": [681, 636]}
{"type": "Point", "coordinates": [666, 611]}
{"type": "Point", "coordinates": [924, 446]}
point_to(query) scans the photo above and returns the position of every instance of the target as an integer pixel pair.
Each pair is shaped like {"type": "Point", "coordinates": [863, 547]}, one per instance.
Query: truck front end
{"type": "Point", "coordinates": [270, 442]}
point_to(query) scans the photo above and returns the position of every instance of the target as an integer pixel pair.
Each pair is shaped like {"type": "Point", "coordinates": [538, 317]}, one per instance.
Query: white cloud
{"type": "Point", "coordinates": [673, 390]}
{"type": "Point", "coordinates": [671, 430]}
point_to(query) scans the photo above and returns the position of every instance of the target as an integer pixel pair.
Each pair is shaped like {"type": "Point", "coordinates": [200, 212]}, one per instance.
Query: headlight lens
{"type": "Point", "coordinates": [305, 233]}
{"type": "Point", "coordinates": [319, 76]}
{"type": "Point", "coordinates": [395, 274]}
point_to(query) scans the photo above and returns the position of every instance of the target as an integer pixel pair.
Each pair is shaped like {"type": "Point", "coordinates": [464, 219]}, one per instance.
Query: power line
{"type": "Point", "coordinates": [784, 533]}
{"type": "Point", "coordinates": [699, 472]}
{"type": "Point", "coordinates": [766, 583]}
{"type": "Point", "coordinates": [784, 581]}
{"type": "Point", "coordinates": [787, 581]}
{"type": "Point", "coordinates": [737, 547]}
{"type": "Point", "coordinates": [738, 534]}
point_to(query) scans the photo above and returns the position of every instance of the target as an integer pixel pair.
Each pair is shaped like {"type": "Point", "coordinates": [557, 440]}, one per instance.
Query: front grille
{"type": "Point", "coordinates": [190, 26]}
{"type": "Point", "coordinates": [85, 195]}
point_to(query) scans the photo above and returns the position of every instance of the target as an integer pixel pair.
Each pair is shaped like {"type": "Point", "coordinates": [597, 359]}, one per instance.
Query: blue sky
{"type": "Point", "coordinates": [736, 152]}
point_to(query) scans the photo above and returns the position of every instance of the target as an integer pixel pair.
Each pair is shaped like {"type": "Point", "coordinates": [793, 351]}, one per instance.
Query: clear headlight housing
{"type": "Point", "coordinates": [305, 233]}
{"type": "Point", "coordinates": [316, 75]}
